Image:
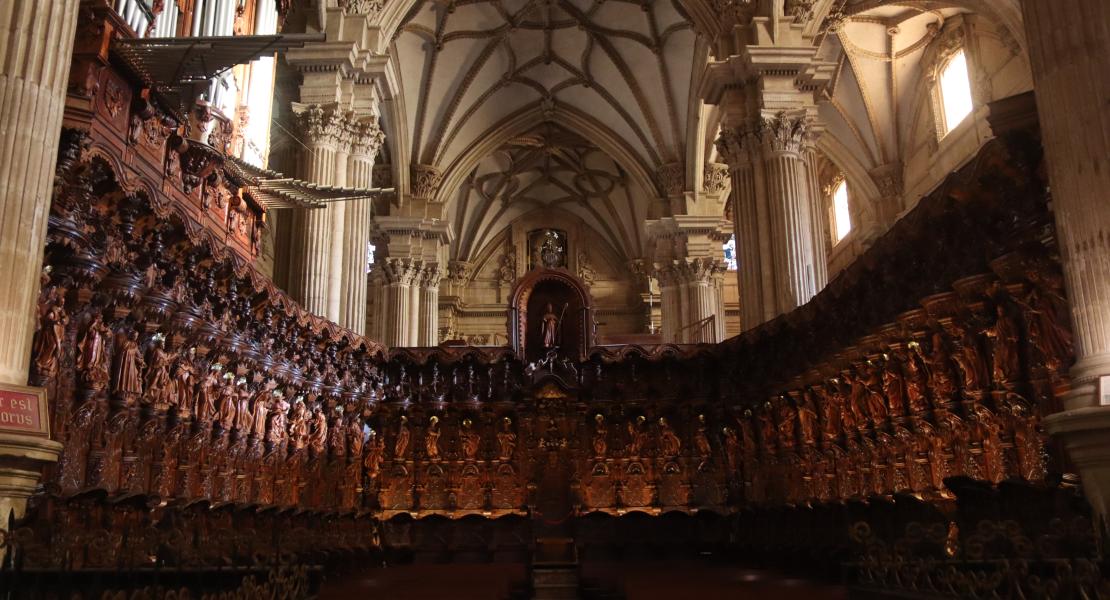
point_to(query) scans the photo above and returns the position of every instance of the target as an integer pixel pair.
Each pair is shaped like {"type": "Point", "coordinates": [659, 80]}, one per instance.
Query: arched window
{"type": "Point", "coordinates": [842, 219]}
{"type": "Point", "coordinates": [955, 91]}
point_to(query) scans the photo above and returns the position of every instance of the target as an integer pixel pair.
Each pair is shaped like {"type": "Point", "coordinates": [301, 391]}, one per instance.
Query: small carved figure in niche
{"type": "Point", "coordinates": [278, 419]}
{"type": "Point", "coordinates": [354, 436]}
{"type": "Point", "coordinates": [749, 444]}
{"type": "Point", "coordinates": [431, 439]}
{"type": "Point", "coordinates": [337, 439]}
{"type": "Point", "coordinates": [206, 401]}
{"type": "Point", "coordinates": [401, 443]}
{"type": "Point", "coordinates": [988, 431]}
{"type": "Point", "coordinates": [506, 440]}
{"type": "Point", "coordinates": [892, 387]}
{"type": "Point", "coordinates": [857, 399]}
{"type": "Point", "coordinates": [601, 434]}
{"type": "Point", "coordinates": [160, 388]}
{"type": "Point", "coordinates": [550, 327]}
{"type": "Point", "coordinates": [732, 450]}
{"type": "Point", "coordinates": [636, 436]}
{"type": "Point", "coordinates": [940, 375]}
{"type": "Point", "coordinates": [830, 411]}
{"type": "Point", "coordinates": [915, 381]}
{"type": "Point", "coordinates": [969, 360]}
{"type": "Point", "coordinates": [766, 428]}
{"type": "Point", "coordinates": [261, 410]}
{"type": "Point", "coordinates": [94, 359]}
{"type": "Point", "coordinates": [128, 373]}
{"type": "Point", "coordinates": [1048, 330]}
{"type": "Point", "coordinates": [318, 440]}
{"type": "Point", "coordinates": [184, 381]}
{"type": "Point", "coordinates": [375, 454]}
{"type": "Point", "coordinates": [227, 402]}
{"type": "Point", "coordinates": [876, 403]}
{"type": "Point", "coordinates": [1028, 443]}
{"type": "Point", "coordinates": [52, 331]}
{"type": "Point", "coordinates": [298, 425]}
{"type": "Point", "coordinates": [669, 444]}
{"type": "Point", "coordinates": [786, 423]}
{"type": "Point", "coordinates": [701, 441]}
{"type": "Point", "coordinates": [1003, 336]}
{"type": "Point", "coordinates": [807, 419]}
{"type": "Point", "coordinates": [471, 440]}
{"type": "Point", "coordinates": [244, 419]}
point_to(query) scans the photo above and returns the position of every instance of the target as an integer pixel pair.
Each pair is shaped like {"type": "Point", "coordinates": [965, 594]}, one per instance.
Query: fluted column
{"type": "Point", "coordinates": [429, 305]}
{"type": "Point", "coordinates": [1069, 49]}
{"type": "Point", "coordinates": [399, 294]}
{"type": "Point", "coordinates": [690, 294]}
{"type": "Point", "coordinates": [338, 215]}
{"type": "Point", "coordinates": [35, 57]}
{"type": "Point", "coordinates": [367, 139]}
{"type": "Point", "coordinates": [310, 275]}
{"type": "Point", "coordinates": [34, 66]}
{"type": "Point", "coordinates": [779, 245]}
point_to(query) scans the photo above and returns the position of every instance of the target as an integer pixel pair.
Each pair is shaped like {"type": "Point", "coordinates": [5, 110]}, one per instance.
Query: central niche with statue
{"type": "Point", "coordinates": [550, 310]}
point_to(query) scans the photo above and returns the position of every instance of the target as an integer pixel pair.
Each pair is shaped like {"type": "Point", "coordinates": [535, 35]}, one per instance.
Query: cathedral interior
{"type": "Point", "coordinates": [594, 299]}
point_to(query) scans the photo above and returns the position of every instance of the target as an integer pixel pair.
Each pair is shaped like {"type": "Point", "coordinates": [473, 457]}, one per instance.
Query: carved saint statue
{"type": "Point", "coordinates": [94, 353]}
{"type": "Point", "coordinates": [636, 437]}
{"type": "Point", "coordinates": [471, 441]}
{"type": "Point", "coordinates": [550, 327]}
{"type": "Point", "coordinates": [401, 444]}
{"type": "Point", "coordinates": [1003, 336]}
{"type": "Point", "coordinates": [431, 439]}
{"type": "Point", "coordinates": [669, 444]}
{"type": "Point", "coordinates": [227, 402]}
{"type": "Point", "coordinates": [601, 432]}
{"type": "Point", "coordinates": [206, 401]}
{"type": "Point", "coordinates": [128, 372]}
{"type": "Point", "coordinates": [701, 440]}
{"type": "Point", "coordinates": [278, 418]}
{"type": "Point", "coordinates": [354, 436]}
{"type": "Point", "coordinates": [506, 440]}
{"type": "Point", "coordinates": [184, 381]}
{"type": "Point", "coordinates": [375, 453]}
{"type": "Point", "coordinates": [732, 450]}
{"type": "Point", "coordinates": [317, 441]}
{"type": "Point", "coordinates": [52, 331]}
{"type": "Point", "coordinates": [260, 413]}
{"type": "Point", "coordinates": [245, 420]}
{"type": "Point", "coordinates": [160, 388]}
{"type": "Point", "coordinates": [298, 425]}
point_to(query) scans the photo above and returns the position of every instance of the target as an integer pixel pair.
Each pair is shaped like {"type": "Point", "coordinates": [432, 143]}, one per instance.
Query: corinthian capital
{"type": "Point", "coordinates": [671, 178]}
{"type": "Point", "coordinates": [425, 181]}
{"type": "Point", "coordinates": [736, 146]}
{"type": "Point", "coordinates": [366, 137]}
{"type": "Point", "coordinates": [783, 132]}
{"type": "Point", "coordinates": [322, 125]}
{"type": "Point", "coordinates": [714, 178]}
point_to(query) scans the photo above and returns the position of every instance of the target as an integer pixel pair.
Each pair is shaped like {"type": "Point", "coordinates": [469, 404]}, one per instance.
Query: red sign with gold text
{"type": "Point", "coordinates": [22, 409]}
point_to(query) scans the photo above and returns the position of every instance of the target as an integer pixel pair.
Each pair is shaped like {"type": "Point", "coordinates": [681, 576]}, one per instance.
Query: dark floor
{"type": "Point", "coordinates": [670, 580]}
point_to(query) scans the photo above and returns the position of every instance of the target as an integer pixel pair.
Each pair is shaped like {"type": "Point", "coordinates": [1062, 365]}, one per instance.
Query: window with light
{"type": "Point", "coordinates": [729, 249]}
{"type": "Point", "coordinates": [955, 91]}
{"type": "Point", "coordinates": [842, 219]}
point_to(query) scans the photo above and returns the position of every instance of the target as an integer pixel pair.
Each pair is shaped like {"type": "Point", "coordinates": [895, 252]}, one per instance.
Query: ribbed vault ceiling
{"type": "Point", "coordinates": [469, 66]}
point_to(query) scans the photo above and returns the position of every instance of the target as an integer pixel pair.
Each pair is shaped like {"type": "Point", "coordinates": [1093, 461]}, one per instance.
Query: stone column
{"type": "Point", "coordinates": [35, 58]}
{"type": "Point", "coordinates": [311, 259]}
{"type": "Point", "coordinates": [338, 217]}
{"type": "Point", "coordinates": [1069, 48]}
{"type": "Point", "coordinates": [367, 139]}
{"type": "Point", "coordinates": [779, 242]}
{"type": "Point", "coordinates": [396, 311]}
{"type": "Point", "coordinates": [689, 266]}
{"type": "Point", "coordinates": [429, 305]}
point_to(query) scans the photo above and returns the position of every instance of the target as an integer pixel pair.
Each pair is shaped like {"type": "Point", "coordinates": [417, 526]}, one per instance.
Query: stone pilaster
{"type": "Point", "coordinates": [34, 70]}
{"type": "Point", "coordinates": [395, 313]}
{"type": "Point", "coordinates": [1070, 58]}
